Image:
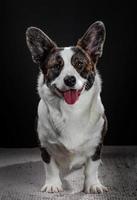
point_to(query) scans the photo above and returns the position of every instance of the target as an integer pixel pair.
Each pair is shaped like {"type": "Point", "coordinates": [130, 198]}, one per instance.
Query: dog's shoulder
{"type": "Point", "coordinates": [42, 109]}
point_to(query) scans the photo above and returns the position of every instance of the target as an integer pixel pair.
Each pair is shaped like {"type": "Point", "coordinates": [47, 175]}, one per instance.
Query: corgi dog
{"type": "Point", "coordinates": [71, 117]}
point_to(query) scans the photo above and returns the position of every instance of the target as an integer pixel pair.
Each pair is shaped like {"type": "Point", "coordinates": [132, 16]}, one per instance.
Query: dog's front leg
{"type": "Point", "coordinates": [53, 182]}
{"type": "Point", "coordinates": [92, 183]}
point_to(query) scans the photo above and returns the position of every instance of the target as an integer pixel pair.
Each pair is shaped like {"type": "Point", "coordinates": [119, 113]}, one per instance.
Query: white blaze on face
{"type": "Point", "coordinates": [68, 69]}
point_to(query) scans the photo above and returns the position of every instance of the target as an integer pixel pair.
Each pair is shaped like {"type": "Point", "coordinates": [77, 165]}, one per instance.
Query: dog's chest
{"type": "Point", "coordinates": [76, 131]}
{"type": "Point", "coordinates": [69, 122]}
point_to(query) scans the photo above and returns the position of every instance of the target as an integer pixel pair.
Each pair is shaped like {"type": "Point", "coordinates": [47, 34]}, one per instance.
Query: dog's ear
{"type": "Point", "coordinates": [93, 40]}
{"type": "Point", "coordinates": [39, 44]}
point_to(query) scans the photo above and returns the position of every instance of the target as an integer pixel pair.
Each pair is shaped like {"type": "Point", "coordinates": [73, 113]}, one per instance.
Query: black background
{"type": "Point", "coordinates": [65, 22]}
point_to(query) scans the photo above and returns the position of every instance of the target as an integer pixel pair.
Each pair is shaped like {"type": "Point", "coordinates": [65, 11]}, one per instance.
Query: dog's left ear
{"type": "Point", "coordinates": [39, 44]}
{"type": "Point", "coordinates": [93, 40]}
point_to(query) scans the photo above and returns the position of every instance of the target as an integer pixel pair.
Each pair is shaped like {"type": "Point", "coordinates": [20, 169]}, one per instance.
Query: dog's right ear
{"type": "Point", "coordinates": [39, 44]}
{"type": "Point", "coordinates": [93, 40]}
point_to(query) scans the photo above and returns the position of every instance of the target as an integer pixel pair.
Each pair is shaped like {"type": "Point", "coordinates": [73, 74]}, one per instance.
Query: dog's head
{"type": "Point", "coordinates": [67, 71]}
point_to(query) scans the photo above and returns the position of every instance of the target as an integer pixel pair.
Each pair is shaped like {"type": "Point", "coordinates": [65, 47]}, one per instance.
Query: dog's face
{"type": "Point", "coordinates": [68, 71]}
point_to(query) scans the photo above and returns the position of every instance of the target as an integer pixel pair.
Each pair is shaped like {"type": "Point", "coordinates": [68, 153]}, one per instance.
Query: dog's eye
{"type": "Point", "coordinates": [80, 65]}
{"type": "Point", "coordinates": [56, 67]}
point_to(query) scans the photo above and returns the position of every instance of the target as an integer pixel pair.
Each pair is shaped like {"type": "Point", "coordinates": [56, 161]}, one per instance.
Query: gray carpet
{"type": "Point", "coordinates": [22, 175]}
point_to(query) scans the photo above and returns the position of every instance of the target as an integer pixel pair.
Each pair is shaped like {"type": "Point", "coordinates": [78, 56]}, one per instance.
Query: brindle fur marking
{"type": "Point", "coordinates": [52, 65]}
{"type": "Point", "coordinates": [97, 153]}
{"type": "Point", "coordinates": [45, 155]}
{"type": "Point", "coordinates": [84, 66]}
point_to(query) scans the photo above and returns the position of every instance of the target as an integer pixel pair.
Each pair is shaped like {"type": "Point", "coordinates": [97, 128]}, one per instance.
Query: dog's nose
{"type": "Point", "coordinates": [70, 81]}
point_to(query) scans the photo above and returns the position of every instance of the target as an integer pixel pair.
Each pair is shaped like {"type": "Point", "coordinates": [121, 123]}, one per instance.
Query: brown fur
{"type": "Point", "coordinates": [53, 65]}
{"type": "Point", "coordinates": [81, 58]}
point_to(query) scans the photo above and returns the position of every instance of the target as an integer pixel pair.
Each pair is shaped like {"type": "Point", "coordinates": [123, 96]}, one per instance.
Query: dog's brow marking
{"type": "Point", "coordinates": [67, 54]}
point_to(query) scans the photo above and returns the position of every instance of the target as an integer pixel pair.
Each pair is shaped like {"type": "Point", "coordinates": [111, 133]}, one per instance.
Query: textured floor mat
{"type": "Point", "coordinates": [118, 172]}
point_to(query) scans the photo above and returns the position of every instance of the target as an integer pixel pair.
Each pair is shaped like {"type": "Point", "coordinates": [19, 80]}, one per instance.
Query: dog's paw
{"type": "Point", "coordinates": [95, 188]}
{"type": "Point", "coordinates": [51, 188]}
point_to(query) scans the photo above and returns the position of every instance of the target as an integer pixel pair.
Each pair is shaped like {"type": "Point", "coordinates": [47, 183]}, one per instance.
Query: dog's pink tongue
{"type": "Point", "coordinates": [71, 96]}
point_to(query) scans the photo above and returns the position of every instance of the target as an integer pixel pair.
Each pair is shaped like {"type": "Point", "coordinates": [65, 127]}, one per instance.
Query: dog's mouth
{"type": "Point", "coordinates": [70, 96]}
